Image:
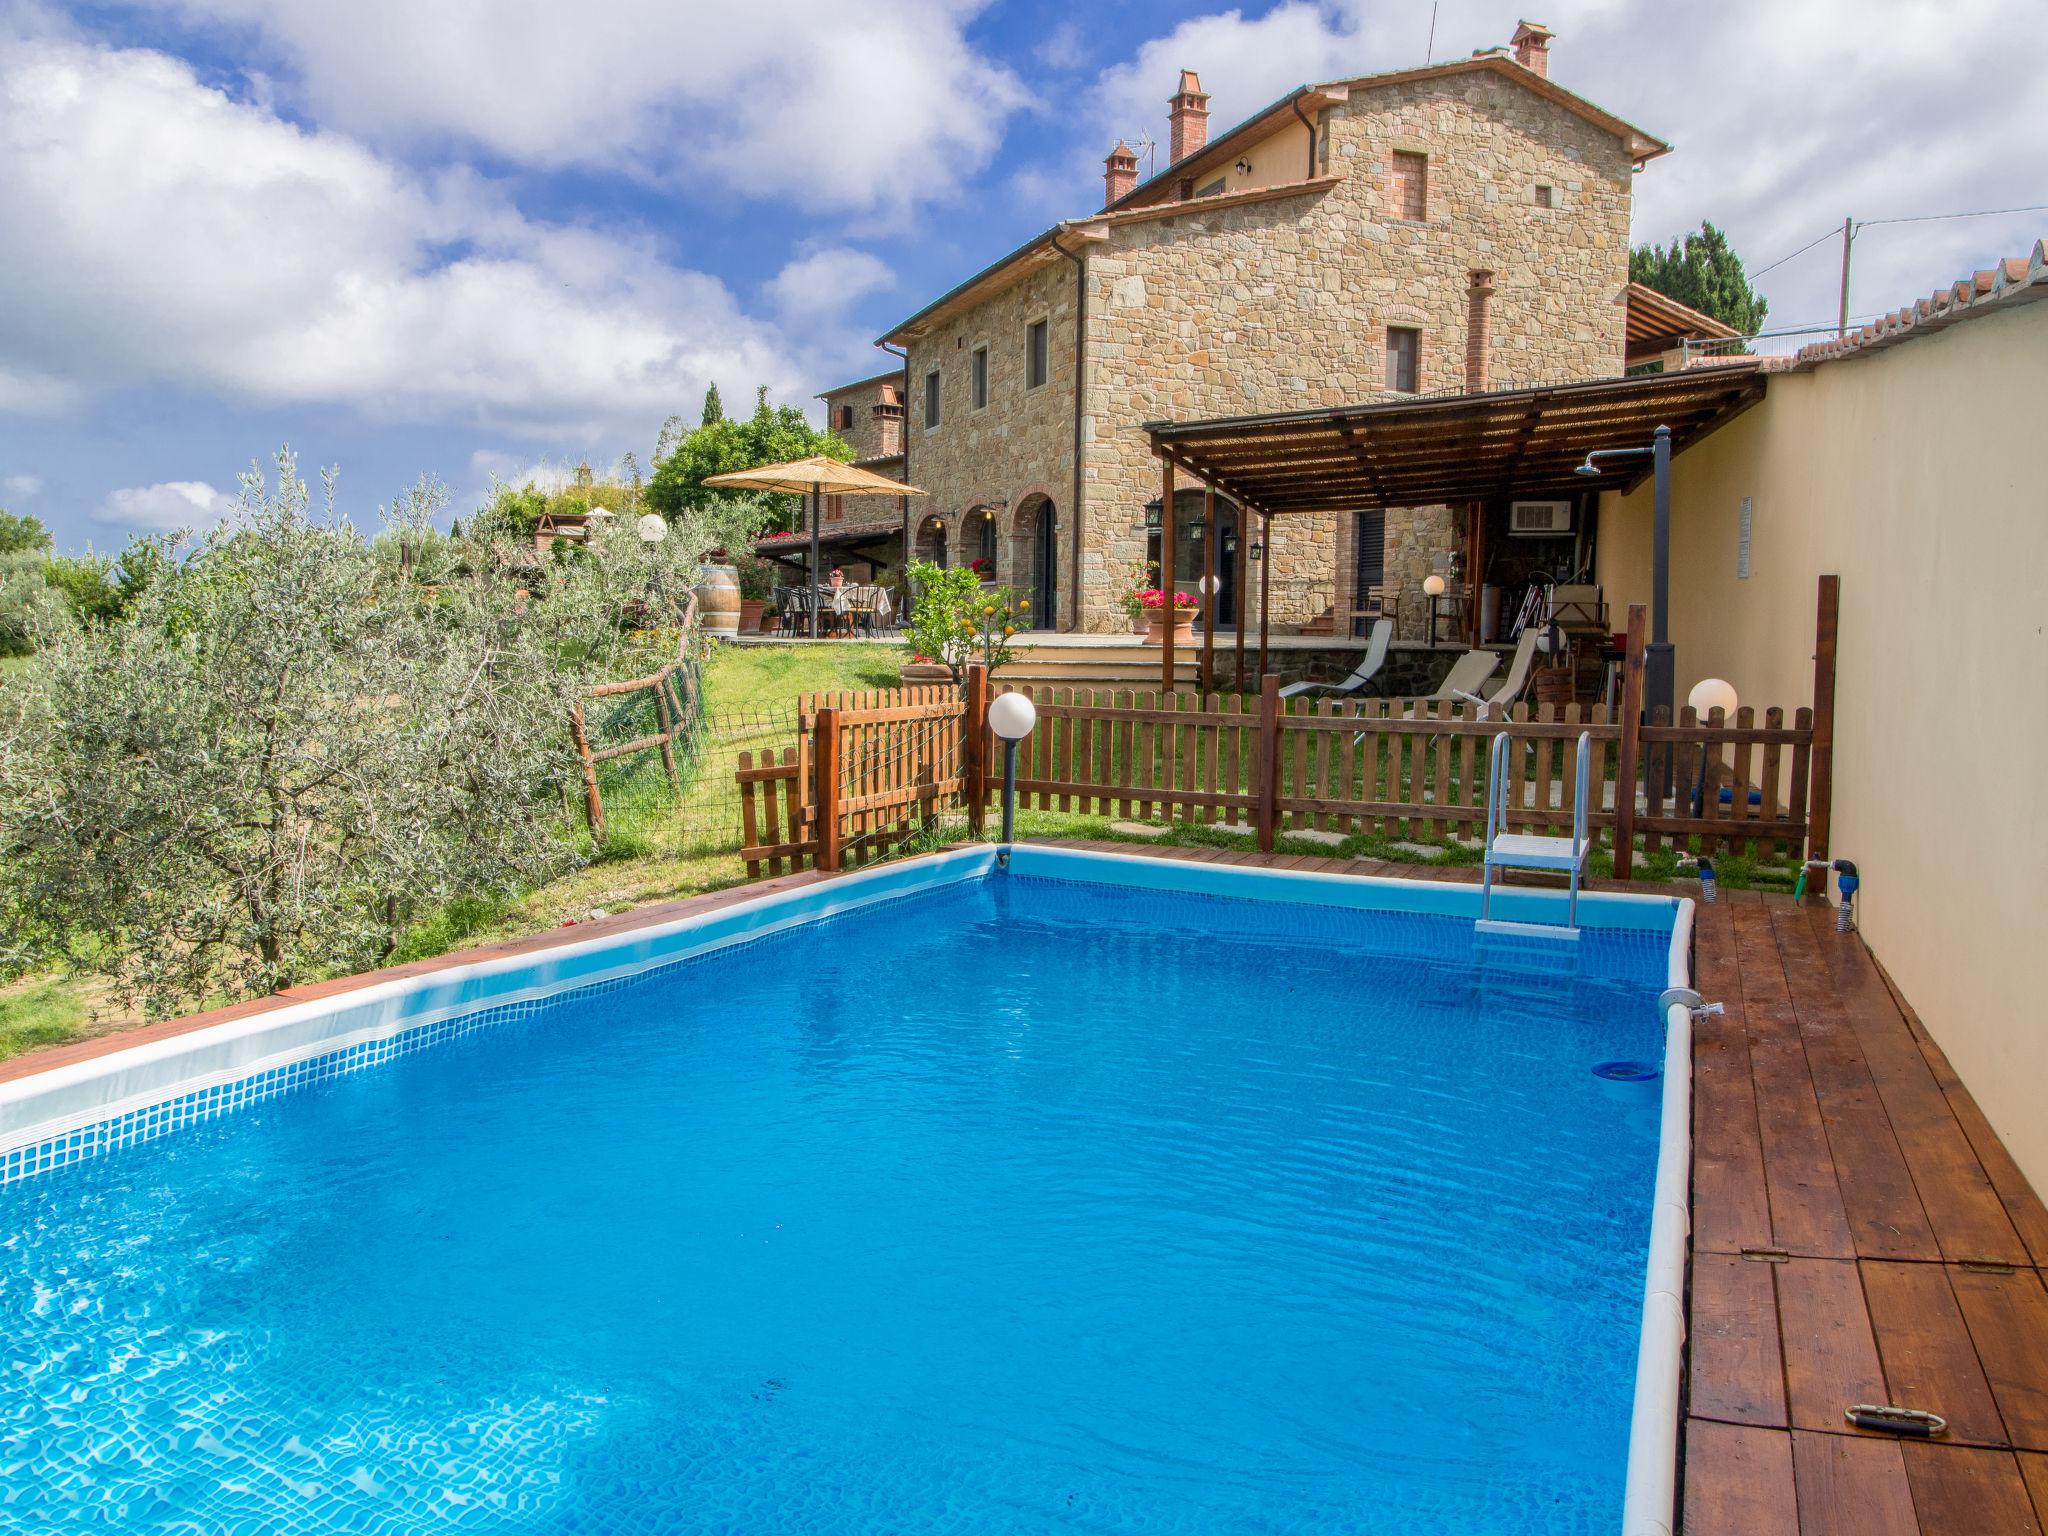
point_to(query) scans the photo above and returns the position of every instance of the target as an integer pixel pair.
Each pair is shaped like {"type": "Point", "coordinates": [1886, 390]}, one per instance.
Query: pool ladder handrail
{"type": "Point", "coordinates": [1506, 850]}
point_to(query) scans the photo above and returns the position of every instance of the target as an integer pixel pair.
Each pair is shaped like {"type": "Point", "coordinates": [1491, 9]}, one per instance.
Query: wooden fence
{"type": "Point", "coordinates": [869, 767]}
{"type": "Point", "coordinates": [678, 697]}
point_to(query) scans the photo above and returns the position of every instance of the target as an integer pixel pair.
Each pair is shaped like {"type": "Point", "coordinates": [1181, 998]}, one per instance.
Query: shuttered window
{"type": "Point", "coordinates": [931, 399]}
{"type": "Point", "coordinates": [1408, 185]}
{"type": "Point", "coordinates": [1369, 563]}
{"type": "Point", "coordinates": [1037, 354]}
{"type": "Point", "coordinates": [980, 379]}
{"type": "Point", "coordinates": [1404, 358]}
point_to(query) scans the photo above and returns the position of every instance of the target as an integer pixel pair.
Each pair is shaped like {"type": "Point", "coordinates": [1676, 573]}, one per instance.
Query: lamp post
{"type": "Point", "coordinates": [1011, 716]}
{"type": "Point", "coordinates": [1432, 588]}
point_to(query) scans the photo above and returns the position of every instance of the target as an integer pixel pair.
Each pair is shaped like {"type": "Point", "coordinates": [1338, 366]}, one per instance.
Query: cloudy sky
{"type": "Point", "coordinates": [477, 235]}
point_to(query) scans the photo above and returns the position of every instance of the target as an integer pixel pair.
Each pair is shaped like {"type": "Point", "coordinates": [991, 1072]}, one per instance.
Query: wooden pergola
{"type": "Point", "coordinates": [1449, 449]}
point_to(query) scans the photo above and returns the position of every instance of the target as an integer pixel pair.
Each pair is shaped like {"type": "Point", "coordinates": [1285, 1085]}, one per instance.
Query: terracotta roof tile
{"type": "Point", "coordinates": [2014, 280]}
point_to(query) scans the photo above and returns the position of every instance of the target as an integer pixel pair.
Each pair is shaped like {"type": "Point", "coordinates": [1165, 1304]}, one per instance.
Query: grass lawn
{"type": "Point", "coordinates": [664, 843]}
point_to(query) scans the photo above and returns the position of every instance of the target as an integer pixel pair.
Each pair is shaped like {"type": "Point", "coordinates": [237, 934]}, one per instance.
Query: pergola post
{"type": "Point", "coordinates": [1237, 589]}
{"type": "Point", "coordinates": [1265, 585]}
{"type": "Point", "coordinates": [1167, 625]}
{"type": "Point", "coordinates": [1209, 592]}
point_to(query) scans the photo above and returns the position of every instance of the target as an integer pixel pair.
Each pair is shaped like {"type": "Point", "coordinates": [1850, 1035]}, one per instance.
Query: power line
{"type": "Point", "coordinates": [1917, 218]}
{"type": "Point", "coordinates": [1760, 271]}
{"type": "Point", "coordinates": [1928, 218]}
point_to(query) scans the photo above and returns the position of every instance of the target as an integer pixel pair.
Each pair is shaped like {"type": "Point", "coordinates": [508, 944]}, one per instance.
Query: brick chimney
{"type": "Point", "coordinates": [1189, 116]}
{"type": "Point", "coordinates": [1478, 330]}
{"type": "Point", "coordinates": [1531, 43]}
{"type": "Point", "coordinates": [1119, 173]}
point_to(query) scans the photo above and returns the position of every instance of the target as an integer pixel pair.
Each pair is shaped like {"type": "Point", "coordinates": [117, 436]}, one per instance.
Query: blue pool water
{"type": "Point", "coordinates": [1011, 1207]}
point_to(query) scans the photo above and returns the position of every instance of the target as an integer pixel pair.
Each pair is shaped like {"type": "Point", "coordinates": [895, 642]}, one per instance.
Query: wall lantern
{"type": "Point", "coordinates": [1155, 509]}
{"type": "Point", "coordinates": [1244, 167]}
{"type": "Point", "coordinates": [1257, 551]}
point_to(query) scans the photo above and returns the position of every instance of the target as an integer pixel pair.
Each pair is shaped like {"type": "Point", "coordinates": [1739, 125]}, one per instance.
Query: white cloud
{"type": "Point", "coordinates": [825, 282]}
{"type": "Point", "coordinates": [161, 233]}
{"type": "Point", "coordinates": [828, 104]}
{"type": "Point", "coordinates": [166, 507]}
{"type": "Point", "coordinates": [1064, 47]}
{"type": "Point", "coordinates": [21, 487]}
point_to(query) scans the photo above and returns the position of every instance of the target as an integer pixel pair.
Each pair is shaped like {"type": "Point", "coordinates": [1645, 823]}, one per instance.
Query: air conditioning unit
{"type": "Point", "coordinates": [1538, 519]}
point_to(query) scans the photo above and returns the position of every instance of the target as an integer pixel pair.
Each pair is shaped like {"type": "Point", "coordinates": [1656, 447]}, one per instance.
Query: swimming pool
{"type": "Point", "coordinates": [1090, 1194]}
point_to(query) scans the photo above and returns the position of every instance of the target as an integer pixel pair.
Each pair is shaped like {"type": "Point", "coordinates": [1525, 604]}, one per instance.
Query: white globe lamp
{"type": "Point", "coordinates": [1011, 716]}
{"type": "Point", "coordinates": [1710, 694]}
{"type": "Point", "coordinates": [652, 528]}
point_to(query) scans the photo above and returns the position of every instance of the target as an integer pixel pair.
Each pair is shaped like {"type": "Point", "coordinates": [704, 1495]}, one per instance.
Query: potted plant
{"type": "Point", "coordinates": [1138, 577]}
{"type": "Point", "coordinates": [1163, 608]}
{"type": "Point", "coordinates": [757, 583]}
{"type": "Point", "coordinates": [984, 569]}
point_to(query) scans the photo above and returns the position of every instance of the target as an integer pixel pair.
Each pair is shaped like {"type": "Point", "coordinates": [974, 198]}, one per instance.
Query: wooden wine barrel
{"type": "Point", "coordinates": [718, 601]}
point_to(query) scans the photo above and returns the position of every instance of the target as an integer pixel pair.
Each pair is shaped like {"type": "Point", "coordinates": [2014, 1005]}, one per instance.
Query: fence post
{"type": "Point", "coordinates": [593, 802]}
{"type": "Point", "coordinates": [974, 723]}
{"type": "Point", "coordinates": [1631, 745]}
{"type": "Point", "coordinates": [1267, 791]}
{"type": "Point", "coordinates": [1820, 783]}
{"type": "Point", "coordinates": [825, 762]}
{"type": "Point", "coordinates": [667, 723]}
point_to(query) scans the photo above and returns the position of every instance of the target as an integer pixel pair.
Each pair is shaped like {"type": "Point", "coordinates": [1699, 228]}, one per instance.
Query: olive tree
{"type": "Point", "coordinates": [288, 748]}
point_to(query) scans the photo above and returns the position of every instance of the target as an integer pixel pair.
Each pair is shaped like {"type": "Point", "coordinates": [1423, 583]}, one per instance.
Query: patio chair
{"type": "Point", "coordinates": [1498, 698]}
{"type": "Point", "coordinates": [1462, 683]}
{"type": "Point", "coordinates": [1362, 675]}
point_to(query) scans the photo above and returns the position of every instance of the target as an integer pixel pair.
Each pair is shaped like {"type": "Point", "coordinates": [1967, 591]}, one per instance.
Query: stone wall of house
{"type": "Point", "coordinates": [873, 435]}
{"type": "Point", "coordinates": [1016, 452]}
{"type": "Point", "coordinates": [1284, 305]}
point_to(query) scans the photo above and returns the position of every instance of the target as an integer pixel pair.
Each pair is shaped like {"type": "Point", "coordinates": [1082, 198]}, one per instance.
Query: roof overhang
{"type": "Point", "coordinates": [1658, 323]}
{"type": "Point", "coordinates": [1452, 448]}
{"type": "Point", "coordinates": [830, 536]}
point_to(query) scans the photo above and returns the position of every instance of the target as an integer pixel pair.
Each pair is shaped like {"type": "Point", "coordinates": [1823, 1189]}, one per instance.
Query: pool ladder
{"type": "Point", "coordinates": [1507, 850]}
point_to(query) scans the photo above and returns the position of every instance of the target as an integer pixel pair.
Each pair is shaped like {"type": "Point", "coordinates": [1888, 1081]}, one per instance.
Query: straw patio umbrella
{"type": "Point", "coordinates": [814, 475]}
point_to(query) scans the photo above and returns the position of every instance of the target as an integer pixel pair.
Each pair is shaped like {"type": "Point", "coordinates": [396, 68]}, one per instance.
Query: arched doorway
{"type": "Point", "coordinates": [978, 535]}
{"type": "Point", "coordinates": [1192, 535]}
{"type": "Point", "coordinates": [931, 540]}
{"type": "Point", "coordinates": [1036, 531]}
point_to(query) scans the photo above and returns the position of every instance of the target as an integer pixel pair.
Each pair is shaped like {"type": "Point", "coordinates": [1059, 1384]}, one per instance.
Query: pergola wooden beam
{"type": "Point", "coordinates": [1451, 448]}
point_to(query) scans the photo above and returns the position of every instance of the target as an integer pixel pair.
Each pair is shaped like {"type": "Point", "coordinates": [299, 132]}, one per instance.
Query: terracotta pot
{"type": "Point", "coordinates": [750, 614]}
{"type": "Point", "coordinates": [1140, 624]}
{"type": "Point", "coordinates": [718, 601]}
{"type": "Point", "coordinates": [1183, 626]}
{"type": "Point", "coordinates": [922, 674]}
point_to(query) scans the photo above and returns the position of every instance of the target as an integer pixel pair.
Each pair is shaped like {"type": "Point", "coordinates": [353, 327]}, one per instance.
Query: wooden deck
{"type": "Point", "coordinates": [1859, 1236]}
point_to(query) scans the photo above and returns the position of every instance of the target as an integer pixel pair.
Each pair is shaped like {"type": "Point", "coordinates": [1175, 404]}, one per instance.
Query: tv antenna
{"type": "Point", "coordinates": [1146, 145]}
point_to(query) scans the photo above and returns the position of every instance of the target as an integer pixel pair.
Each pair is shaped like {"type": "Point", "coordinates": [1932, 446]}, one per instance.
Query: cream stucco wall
{"type": "Point", "coordinates": [1920, 476]}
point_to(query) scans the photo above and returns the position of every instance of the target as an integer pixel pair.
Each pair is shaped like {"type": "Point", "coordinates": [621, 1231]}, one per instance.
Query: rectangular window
{"type": "Point", "coordinates": [845, 417]}
{"type": "Point", "coordinates": [1404, 358]}
{"type": "Point", "coordinates": [835, 507]}
{"type": "Point", "coordinates": [1037, 353]}
{"type": "Point", "coordinates": [1546, 197]}
{"type": "Point", "coordinates": [931, 400]}
{"type": "Point", "coordinates": [1408, 185]}
{"type": "Point", "coordinates": [978, 377]}
{"type": "Point", "coordinates": [1214, 188]}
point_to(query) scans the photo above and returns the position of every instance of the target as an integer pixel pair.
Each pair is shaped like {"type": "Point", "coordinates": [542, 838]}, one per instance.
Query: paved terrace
{"type": "Point", "coordinates": [1859, 1233]}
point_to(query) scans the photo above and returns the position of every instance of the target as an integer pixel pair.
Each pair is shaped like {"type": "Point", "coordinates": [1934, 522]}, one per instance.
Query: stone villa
{"type": "Point", "coordinates": [1462, 226]}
